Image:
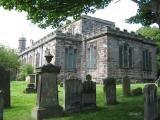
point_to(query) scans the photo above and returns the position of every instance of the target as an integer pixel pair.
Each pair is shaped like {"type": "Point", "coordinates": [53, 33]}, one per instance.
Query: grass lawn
{"type": "Point", "coordinates": [129, 108]}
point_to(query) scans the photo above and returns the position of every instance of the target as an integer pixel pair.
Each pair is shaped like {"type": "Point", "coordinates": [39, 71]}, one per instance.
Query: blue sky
{"type": "Point", "coordinates": [13, 24]}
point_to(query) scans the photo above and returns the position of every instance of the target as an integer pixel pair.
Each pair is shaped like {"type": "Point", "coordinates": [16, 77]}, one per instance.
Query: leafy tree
{"type": "Point", "coordinates": [148, 12]}
{"type": "Point", "coordinates": [24, 70]}
{"type": "Point", "coordinates": [8, 58]}
{"type": "Point", "coordinates": [54, 12]}
{"type": "Point", "coordinates": [154, 33]}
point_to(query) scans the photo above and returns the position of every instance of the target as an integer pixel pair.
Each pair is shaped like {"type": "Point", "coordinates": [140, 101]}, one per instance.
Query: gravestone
{"type": "Point", "coordinates": [109, 87]}
{"type": "Point", "coordinates": [31, 78]}
{"type": "Point", "coordinates": [72, 94]}
{"type": "Point", "coordinates": [47, 92]}
{"type": "Point", "coordinates": [1, 105]}
{"type": "Point", "coordinates": [136, 91]}
{"type": "Point", "coordinates": [31, 86]}
{"type": "Point", "coordinates": [5, 86]}
{"type": "Point", "coordinates": [150, 102]}
{"type": "Point", "coordinates": [88, 95]}
{"type": "Point", "coordinates": [37, 79]}
{"type": "Point", "coordinates": [126, 86]}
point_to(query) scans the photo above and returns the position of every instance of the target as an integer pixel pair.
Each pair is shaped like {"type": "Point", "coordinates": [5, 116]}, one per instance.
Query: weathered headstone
{"type": "Point", "coordinates": [136, 91]}
{"type": "Point", "coordinates": [31, 86]}
{"type": "Point", "coordinates": [37, 79]}
{"type": "Point", "coordinates": [47, 92]}
{"type": "Point", "coordinates": [150, 102]}
{"type": "Point", "coordinates": [5, 86]}
{"type": "Point", "coordinates": [88, 95]}
{"type": "Point", "coordinates": [1, 105]}
{"type": "Point", "coordinates": [72, 94]}
{"type": "Point", "coordinates": [31, 78]}
{"type": "Point", "coordinates": [126, 86]}
{"type": "Point", "coordinates": [109, 87]}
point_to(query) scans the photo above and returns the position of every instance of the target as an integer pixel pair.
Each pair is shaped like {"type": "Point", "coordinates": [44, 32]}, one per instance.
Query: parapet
{"type": "Point", "coordinates": [119, 33]}
{"type": "Point", "coordinates": [50, 37]}
{"type": "Point", "coordinates": [99, 20]}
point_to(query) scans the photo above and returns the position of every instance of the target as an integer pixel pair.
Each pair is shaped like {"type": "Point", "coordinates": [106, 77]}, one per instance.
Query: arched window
{"type": "Point", "coordinates": [37, 59]}
{"type": "Point", "coordinates": [24, 61]}
{"type": "Point", "coordinates": [125, 56]}
{"type": "Point", "coordinates": [91, 57]}
{"type": "Point", "coordinates": [147, 60]}
{"type": "Point", "coordinates": [30, 59]}
{"type": "Point", "coordinates": [70, 58]}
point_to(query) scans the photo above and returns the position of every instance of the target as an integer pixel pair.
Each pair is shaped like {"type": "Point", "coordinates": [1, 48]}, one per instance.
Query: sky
{"type": "Point", "coordinates": [14, 25]}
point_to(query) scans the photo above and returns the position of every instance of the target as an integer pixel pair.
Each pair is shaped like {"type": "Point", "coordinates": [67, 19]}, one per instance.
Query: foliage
{"type": "Point", "coordinates": [153, 33]}
{"type": "Point", "coordinates": [24, 70]}
{"type": "Point", "coordinates": [8, 58]}
{"type": "Point", "coordinates": [148, 12]}
{"type": "Point", "coordinates": [129, 108]}
{"type": "Point", "coordinates": [54, 12]}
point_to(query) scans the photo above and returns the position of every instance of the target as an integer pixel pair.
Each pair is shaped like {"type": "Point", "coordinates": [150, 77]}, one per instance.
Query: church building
{"type": "Point", "coordinates": [94, 46]}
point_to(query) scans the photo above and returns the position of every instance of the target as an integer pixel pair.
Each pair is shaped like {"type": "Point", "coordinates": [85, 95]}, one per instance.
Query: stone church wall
{"type": "Point", "coordinates": [137, 71]}
{"type": "Point", "coordinates": [105, 37]}
{"type": "Point", "coordinates": [91, 24]}
{"type": "Point", "coordinates": [74, 28]}
{"type": "Point", "coordinates": [100, 71]}
{"type": "Point", "coordinates": [60, 58]}
{"type": "Point", "coordinates": [30, 56]}
{"type": "Point", "coordinates": [87, 25]}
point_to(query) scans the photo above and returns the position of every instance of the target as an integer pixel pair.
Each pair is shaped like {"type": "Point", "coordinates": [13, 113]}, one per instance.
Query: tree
{"type": "Point", "coordinates": [24, 70]}
{"type": "Point", "coordinates": [8, 58]}
{"type": "Point", "coordinates": [54, 12]}
{"type": "Point", "coordinates": [148, 12]}
{"type": "Point", "coordinates": [153, 33]}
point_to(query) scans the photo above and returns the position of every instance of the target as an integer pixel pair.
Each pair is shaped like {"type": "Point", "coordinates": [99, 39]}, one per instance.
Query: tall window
{"type": "Point", "coordinates": [70, 58]}
{"type": "Point", "coordinates": [125, 56]}
{"type": "Point", "coordinates": [30, 59]}
{"type": "Point", "coordinates": [147, 60]}
{"type": "Point", "coordinates": [24, 61]}
{"type": "Point", "coordinates": [91, 57]}
{"type": "Point", "coordinates": [37, 59]}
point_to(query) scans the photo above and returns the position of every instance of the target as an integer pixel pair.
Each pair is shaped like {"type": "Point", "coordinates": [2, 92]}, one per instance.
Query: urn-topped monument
{"type": "Point", "coordinates": [47, 92]}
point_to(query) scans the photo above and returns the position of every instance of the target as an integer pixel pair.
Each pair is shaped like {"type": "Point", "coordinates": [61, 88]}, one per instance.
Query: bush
{"type": "Point", "coordinates": [8, 58]}
{"type": "Point", "coordinates": [24, 70]}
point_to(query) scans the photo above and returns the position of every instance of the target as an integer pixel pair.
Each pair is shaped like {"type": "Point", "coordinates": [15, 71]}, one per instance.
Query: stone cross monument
{"type": "Point", "coordinates": [47, 91]}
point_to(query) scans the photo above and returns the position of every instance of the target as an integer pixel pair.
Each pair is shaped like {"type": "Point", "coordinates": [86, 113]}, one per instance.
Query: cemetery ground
{"type": "Point", "coordinates": [128, 108]}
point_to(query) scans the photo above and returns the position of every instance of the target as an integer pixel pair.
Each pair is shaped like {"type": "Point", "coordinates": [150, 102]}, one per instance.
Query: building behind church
{"type": "Point", "coordinates": [94, 46]}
